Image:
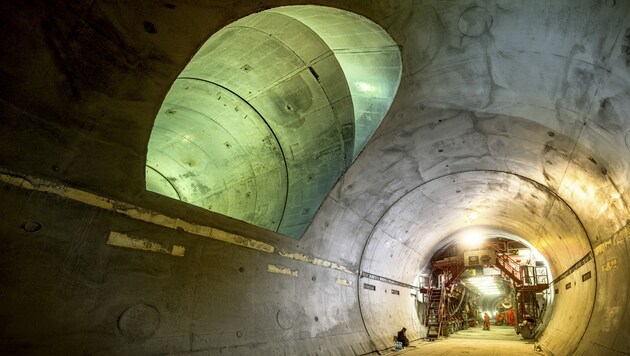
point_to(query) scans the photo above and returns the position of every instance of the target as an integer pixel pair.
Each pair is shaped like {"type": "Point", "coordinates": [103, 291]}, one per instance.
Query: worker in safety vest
{"type": "Point", "coordinates": [510, 317]}
{"type": "Point", "coordinates": [486, 321]}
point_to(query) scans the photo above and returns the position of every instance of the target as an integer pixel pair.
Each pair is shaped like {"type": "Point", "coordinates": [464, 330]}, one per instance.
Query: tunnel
{"type": "Point", "coordinates": [306, 220]}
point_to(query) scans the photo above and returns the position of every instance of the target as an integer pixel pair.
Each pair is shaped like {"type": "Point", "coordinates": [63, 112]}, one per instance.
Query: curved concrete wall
{"type": "Point", "coordinates": [517, 109]}
{"type": "Point", "coordinates": [406, 237]}
{"type": "Point", "coordinates": [269, 113]}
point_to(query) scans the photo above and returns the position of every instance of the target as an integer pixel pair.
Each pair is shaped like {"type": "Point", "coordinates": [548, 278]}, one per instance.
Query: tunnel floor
{"type": "Point", "coordinates": [499, 340]}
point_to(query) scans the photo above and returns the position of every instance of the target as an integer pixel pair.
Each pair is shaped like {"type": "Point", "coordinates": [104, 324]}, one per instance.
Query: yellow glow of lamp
{"type": "Point", "coordinates": [473, 238]}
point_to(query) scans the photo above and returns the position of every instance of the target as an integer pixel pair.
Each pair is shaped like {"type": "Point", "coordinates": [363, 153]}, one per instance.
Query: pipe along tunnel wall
{"type": "Point", "coordinates": [517, 110]}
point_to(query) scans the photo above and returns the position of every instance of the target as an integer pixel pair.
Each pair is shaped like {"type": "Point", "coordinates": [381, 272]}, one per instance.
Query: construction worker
{"type": "Point", "coordinates": [510, 317]}
{"type": "Point", "coordinates": [499, 318]}
{"type": "Point", "coordinates": [486, 321]}
{"type": "Point", "coordinates": [401, 337]}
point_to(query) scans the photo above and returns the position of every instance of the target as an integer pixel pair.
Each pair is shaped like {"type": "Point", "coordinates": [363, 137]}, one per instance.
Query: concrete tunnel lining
{"type": "Point", "coordinates": [293, 93]}
{"type": "Point", "coordinates": [429, 217]}
{"type": "Point", "coordinates": [541, 91]}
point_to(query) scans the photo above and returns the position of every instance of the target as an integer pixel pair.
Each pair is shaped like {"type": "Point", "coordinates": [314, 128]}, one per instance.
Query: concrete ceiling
{"type": "Point", "coordinates": [519, 111]}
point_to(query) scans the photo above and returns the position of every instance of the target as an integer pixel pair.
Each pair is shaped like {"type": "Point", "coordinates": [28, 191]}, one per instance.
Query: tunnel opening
{"type": "Point", "coordinates": [269, 113]}
{"type": "Point", "coordinates": [481, 279]}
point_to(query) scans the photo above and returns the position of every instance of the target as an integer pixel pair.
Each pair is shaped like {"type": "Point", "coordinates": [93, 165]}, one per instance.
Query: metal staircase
{"type": "Point", "coordinates": [450, 270]}
{"type": "Point", "coordinates": [435, 313]}
{"type": "Point", "coordinates": [528, 280]}
{"type": "Point", "coordinates": [509, 267]}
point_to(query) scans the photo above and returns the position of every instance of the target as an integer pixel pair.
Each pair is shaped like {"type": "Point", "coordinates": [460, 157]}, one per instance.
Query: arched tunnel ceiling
{"type": "Point", "coordinates": [458, 141]}
{"type": "Point", "coordinates": [424, 218]}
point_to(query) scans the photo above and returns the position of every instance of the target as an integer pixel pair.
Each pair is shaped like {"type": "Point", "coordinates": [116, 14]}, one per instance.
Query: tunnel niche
{"type": "Point", "coordinates": [270, 112]}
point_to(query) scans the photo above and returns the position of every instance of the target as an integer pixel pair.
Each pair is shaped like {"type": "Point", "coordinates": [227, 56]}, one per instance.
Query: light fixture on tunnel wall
{"type": "Point", "coordinates": [270, 112]}
{"type": "Point", "coordinates": [473, 238]}
{"type": "Point", "coordinates": [471, 217]}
